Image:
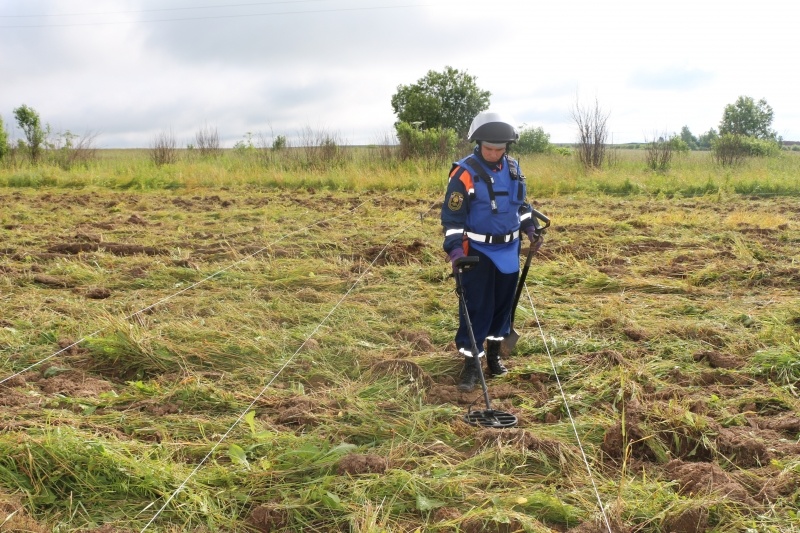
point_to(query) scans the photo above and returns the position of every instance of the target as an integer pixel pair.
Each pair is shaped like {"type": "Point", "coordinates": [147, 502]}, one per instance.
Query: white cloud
{"type": "Point", "coordinates": [126, 72]}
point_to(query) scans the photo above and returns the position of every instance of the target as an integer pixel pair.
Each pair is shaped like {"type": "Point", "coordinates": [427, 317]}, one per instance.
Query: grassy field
{"type": "Point", "coordinates": [248, 345]}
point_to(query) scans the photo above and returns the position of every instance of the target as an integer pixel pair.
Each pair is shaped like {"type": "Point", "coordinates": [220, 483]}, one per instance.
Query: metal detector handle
{"type": "Point", "coordinates": [532, 250]}
{"type": "Point", "coordinates": [466, 262]}
{"type": "Point", "coordinates": [541, 217]}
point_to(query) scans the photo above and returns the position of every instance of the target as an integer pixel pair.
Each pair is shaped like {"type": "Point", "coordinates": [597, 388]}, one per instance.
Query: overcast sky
{"type": "Point", "coordinates": [127, 70]}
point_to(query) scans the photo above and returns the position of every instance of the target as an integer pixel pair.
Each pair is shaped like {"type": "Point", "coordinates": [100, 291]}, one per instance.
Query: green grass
{"type": "Point", "coordinates": [287, 324]}
{"type": "Point", "coordinates": [694, 174]}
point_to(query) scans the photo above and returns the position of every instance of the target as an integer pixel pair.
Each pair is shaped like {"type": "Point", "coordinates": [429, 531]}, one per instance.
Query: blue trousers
{"type": "Point", "coordinates": [490, 296]}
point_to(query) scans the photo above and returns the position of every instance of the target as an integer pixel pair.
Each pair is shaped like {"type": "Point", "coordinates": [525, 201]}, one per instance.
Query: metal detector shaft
{"type": "Point", "coordinates": [460, 265]}
{"type": "Point", "coordinates": [488, 417]}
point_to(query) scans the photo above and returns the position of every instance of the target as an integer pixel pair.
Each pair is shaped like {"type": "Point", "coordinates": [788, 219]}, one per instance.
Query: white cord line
{"type": "Point", "coordinates": [171, 296]}
{"type": "Point", "coordinates": [569, 413]}
{"type": "Point", "coordinates": [264, 389]}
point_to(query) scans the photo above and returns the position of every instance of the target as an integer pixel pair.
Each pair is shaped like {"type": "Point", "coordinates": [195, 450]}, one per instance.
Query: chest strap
{"type": "Point", "coordinates": [481, 173]}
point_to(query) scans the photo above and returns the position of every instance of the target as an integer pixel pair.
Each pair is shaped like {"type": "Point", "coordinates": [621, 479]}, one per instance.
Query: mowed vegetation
{"type": "Point", "coordinates": [251, 343]}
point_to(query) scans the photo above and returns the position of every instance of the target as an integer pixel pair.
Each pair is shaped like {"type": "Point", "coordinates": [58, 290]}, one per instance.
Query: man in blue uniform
{"type": "Point", "coordinates": [484, 212]}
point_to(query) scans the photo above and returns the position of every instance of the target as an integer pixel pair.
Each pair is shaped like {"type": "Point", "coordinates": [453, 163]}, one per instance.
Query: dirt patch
{"type": "Point", "coordinates": [420, 340]}
{"type": "Point", "coordinates": [717, 359]}
{"type": "Point", "coordinates": [602, 358]}
{"type": "Point", "coordinates": [14, 518]}
{"type": "Point", "coordinates": [98, 293]}
{"type": "Point", "coordinates": [75, 248]}
{"type": "Point", "coordinates": [482, 525]}
{"type": "Point", "coordinates": [446, 514]}
{"type": "Point", "coordinates": [788, 424]}
{"type": "Point", "coordinates": [692, 520]}
{"type": "Point", "coordinates": [655, 436]}
{"type": "Point", "coordinates": [70, 382]}
{"type": "Point", "coordinates": [521, 439]}
{"type": "Point", "coordinates": [440, 393]}
{"type": "Point", "coordinates": [53, 281]}
{"type": "Point", "coordinates": [706, 479]}
{"type": "Point", "coordinates": [356, 463]}
{"type": "Point", "coordinates": [298, 411]}
{"type": "Point", "coordinates": [743, 447]}
{"type": "Point", "coordinates": [652, 245]}
{"type": "Point", "coordinates": [404, 369]}
{"type": "Point", "coordinates": [395, 253]}
{"type": "Point", "coordinates": [269, 517]}
{"type": "Point", "coordinates": [599, 526]}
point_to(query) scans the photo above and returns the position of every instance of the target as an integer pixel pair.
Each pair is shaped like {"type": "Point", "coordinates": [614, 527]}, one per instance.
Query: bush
{"type": "Point", "coordinates": [533, 141]}
{"type": "Point", "coordinates": [730, 149]}
{"type": "Point", "coordinates": [207, 142]}
{"type": "Point", "coordinates": [322, 149]}
{"type": "Point", "coordinates": [435, 143]}
{"type": "Point", "coordinates": [70, 150]}
{"type": "Point", "coordinates": [164, 150]}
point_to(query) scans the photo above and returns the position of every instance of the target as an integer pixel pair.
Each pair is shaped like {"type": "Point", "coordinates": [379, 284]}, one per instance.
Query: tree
{"type": "Point", "coordinates": [748, 118]}
{"type": "Point", "coordinates": [688, 138]}
{"type": "Point", "coordinates": [706, 140]}
{"type": "Point", "coordinates": [4, 147]}
{"type": "Point", "coordinates": [28, 121]}
{"type": "Point", "coordinates": [448, 99]}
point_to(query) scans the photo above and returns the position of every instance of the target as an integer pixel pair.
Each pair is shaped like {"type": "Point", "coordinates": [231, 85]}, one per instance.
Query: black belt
{"type": "Point", "coordinates": [493, 239]}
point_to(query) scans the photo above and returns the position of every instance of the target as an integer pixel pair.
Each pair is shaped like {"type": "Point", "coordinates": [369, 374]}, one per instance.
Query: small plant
{"type": "Point", "coordinates": [592, 123]}
{"type": "Point", "coordinates": [207, 142]}
{"type": "Point", "coordinates": [246, 145]}
{"type": "Point", "coordinates": [322, 149]}
{"type": "Point", "coordinates": [659, 154]}
{"type": "Point", "coordinates": [280, 143]}
{"type": "Point", "coordinates": [70, 150]}
{"type": "Point", "coordinates": [164, 149]}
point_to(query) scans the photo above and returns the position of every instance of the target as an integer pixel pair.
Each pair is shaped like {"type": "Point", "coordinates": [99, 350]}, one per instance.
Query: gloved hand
{"type": "Point", "coordinates": [455, 254]}
{"type": "Point", "coordinates": [535, 235]}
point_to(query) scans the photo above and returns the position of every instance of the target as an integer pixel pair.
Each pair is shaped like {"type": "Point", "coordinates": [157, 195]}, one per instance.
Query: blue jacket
{"type": "Point", "coordinates": [486, 203]}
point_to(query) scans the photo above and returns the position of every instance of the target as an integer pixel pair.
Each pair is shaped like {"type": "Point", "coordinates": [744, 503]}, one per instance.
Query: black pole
{"type": "Point", "coordinates": [463, 302]}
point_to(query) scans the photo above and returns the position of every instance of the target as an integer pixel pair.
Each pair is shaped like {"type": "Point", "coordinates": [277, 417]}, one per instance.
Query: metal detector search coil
{"type": "Point", "coordinates": [491, 419]}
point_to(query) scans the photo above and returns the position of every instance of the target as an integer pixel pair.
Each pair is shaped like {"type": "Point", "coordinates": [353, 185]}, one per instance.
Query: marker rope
{"type": "Point", "coordinates": [569, 413]}
{"type": "Point", "coordinates": [178, 293]}
{"type": "Point", "coordinates": [274, 377]}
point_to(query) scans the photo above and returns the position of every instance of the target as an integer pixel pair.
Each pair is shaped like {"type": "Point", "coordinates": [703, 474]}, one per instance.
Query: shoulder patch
{"type": "Point", "coordinates": [456, 201]}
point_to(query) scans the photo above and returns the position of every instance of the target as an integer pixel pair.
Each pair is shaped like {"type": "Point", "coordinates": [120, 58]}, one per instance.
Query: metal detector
{"type": "Point", "coordinates": [510, 341]}
{"type": "Point", "coordinates": [488, 417]}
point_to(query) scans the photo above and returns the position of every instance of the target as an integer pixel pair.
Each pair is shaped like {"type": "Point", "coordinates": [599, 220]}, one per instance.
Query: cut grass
{"type": "Point", "coordinates": [674, 315]}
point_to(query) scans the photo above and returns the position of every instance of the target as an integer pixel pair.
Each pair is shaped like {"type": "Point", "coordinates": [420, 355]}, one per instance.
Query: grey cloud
{"type": "Point", "coordinates": [350, 38]}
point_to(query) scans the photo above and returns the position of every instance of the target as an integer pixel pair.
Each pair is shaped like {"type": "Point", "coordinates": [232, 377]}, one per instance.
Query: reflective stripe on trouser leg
{"type": "Point", "coordinates": [490, 295]}
{"type": "Point", "coordinates": [468, 353]}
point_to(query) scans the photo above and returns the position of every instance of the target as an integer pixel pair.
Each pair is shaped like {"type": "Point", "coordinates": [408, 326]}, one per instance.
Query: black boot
{"type": "Point", "coordinates": [469, 376]}
{"type": "Point", "coordinates": [496, 367]}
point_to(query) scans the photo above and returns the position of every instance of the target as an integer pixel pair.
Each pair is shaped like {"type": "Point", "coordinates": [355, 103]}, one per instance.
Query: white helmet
{"type": "Point", "coordinates": [492, 127]}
